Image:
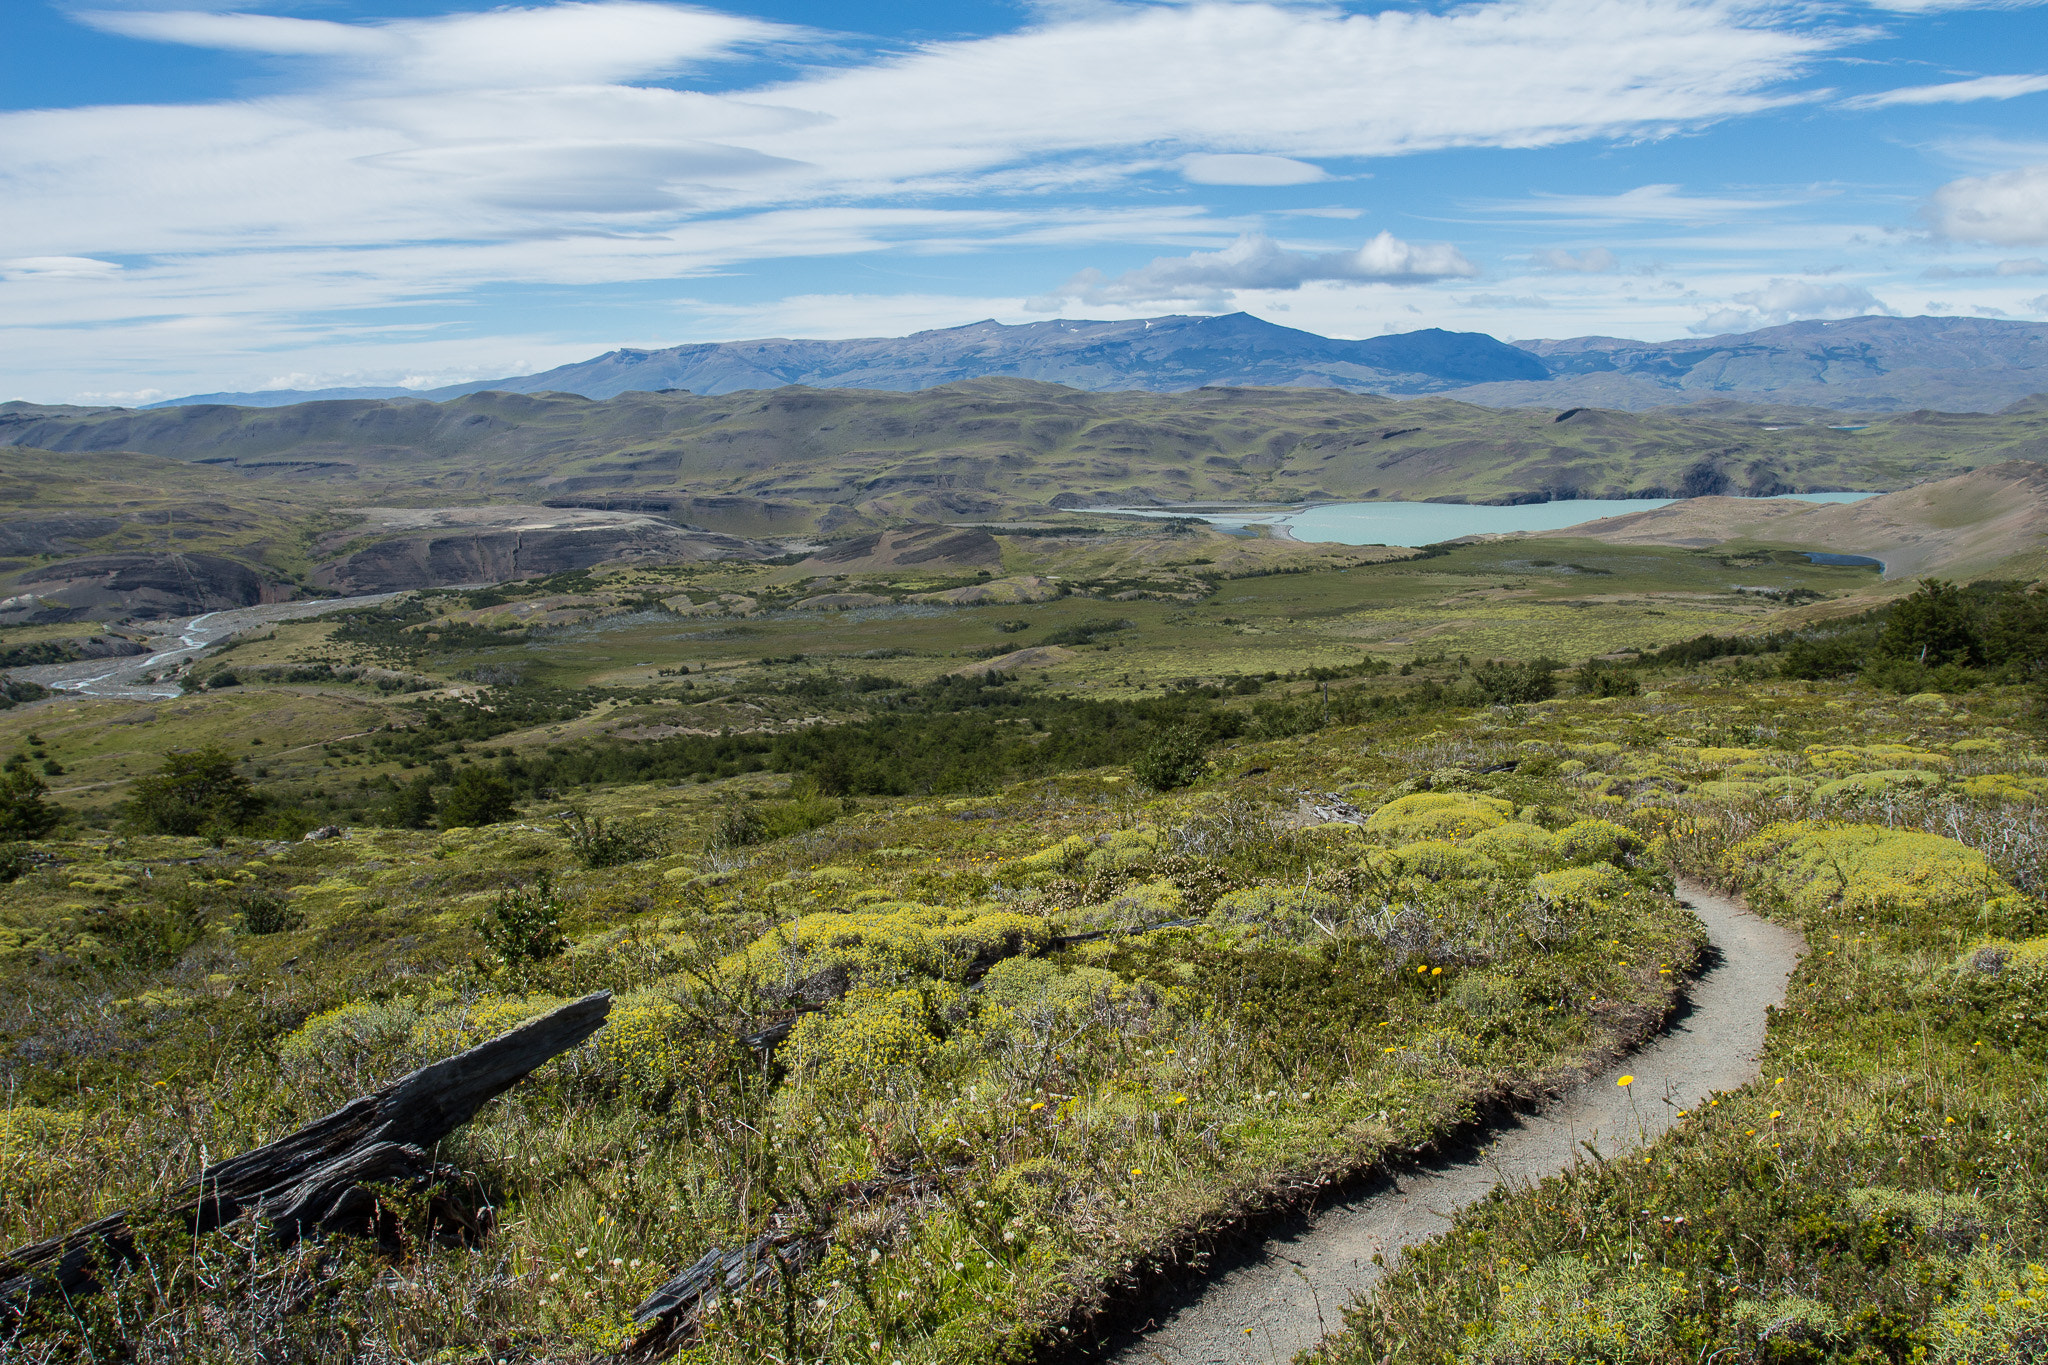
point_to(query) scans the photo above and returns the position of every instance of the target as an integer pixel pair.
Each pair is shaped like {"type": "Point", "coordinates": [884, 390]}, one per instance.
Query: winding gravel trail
{"type": "Point", "coordinates": [1279, 1298]}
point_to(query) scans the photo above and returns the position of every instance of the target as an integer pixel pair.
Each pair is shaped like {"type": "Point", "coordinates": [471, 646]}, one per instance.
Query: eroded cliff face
{"type": "Point", "coordinates": [426, 548]}
{"type": "Point", "coordinates": [137, 585]}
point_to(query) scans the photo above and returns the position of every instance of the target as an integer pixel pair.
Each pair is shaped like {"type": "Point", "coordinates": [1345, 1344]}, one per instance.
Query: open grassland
{"type": "Point", "coordinates": [986, 1121]}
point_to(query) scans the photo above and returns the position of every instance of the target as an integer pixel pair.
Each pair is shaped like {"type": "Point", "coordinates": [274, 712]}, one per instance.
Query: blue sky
{"type": "Point", "coordinates": [305, 193]}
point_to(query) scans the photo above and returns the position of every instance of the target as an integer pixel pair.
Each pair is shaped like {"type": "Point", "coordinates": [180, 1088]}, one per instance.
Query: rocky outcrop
{"type": "Point", "coordinates": [138, 585]}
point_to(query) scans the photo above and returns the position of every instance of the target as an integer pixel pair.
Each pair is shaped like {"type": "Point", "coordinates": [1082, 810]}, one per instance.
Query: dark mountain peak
{"type": "Point", "coordinates": [1866, 363]}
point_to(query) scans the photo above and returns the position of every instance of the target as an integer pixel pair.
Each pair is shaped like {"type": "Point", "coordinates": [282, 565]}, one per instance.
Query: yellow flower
{"type": "Point", "coordinates": [1626, 1081]}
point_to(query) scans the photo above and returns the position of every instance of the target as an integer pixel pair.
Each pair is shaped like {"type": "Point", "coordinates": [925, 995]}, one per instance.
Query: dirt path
{"type": "Point", "coordinates": [1277, 1299]}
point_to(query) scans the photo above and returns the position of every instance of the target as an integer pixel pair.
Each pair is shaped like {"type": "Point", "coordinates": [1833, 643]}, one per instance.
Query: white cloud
{"type": "Point", "coordinates": [1596, 260]}
{"type": "Point", "coordinates": [1240, 168]}
{"type": "Point", "coordinates": [1255, 261]}
{"type": "Point", "coordinates": [1644, 204]}
{"type": "Point", "coordinates": [1782, 301]}
{"type": "Point", "coordinates": [57, 268]}
{"type": "Point", "coordinates": [2031, 265]}
{"type": "Point", "coordinates": [405, 160]}
{"type": "Point", "coordinates": [572, 43]}
{"type": "Point", "coordinates": [1954, 92]}
{"type": "Point", "coordinates": [2007, 209]}
{"type": "Point", "coordinates": [1939, 6]}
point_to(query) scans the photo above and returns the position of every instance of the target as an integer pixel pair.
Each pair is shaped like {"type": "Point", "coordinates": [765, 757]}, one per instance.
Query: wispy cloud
{"type": "Point", "coordinates": [1256, 261]}
{"type": "Point", "coordinates": [2031, 265]}
{"type": "Point", "coordinates": [1953, 92]}
{"type": "Point", "coordinates": [1596, 260]}
{"type": "Point", "coordinates": [1644, 204]}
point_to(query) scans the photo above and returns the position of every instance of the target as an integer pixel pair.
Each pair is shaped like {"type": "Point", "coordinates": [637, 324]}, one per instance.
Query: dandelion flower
{"type": "Point", "coordinates": [1626, 1081]}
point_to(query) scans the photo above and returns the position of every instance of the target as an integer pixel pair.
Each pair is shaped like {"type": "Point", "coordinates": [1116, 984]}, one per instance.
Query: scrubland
{"type": "Point", "coordinates": [1036, 990]}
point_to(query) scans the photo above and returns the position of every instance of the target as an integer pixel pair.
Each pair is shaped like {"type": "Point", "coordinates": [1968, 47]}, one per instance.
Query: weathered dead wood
{"type": "Point", "coordinates": [672, 1316]}
{"type": "Point", "coordinates": [318, 1178]}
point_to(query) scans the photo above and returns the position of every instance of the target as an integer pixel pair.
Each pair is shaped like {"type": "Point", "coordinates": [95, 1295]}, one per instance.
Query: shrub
{"type": "Point", "coordinates": [599, 842]}
{"type": "Point", "coordinates": [1509, 684]}
{"type": "Point", "coordinates": [736, 825]}
{"type": "Point", "coordinates": [1815, 869]}
{"type": "Point", "coordinates": [24, 814]}
{"type": "Point", "coordinates": [525, 924]}
{"type": "Point", "coordinates": [477, 797]}
{"type": "Point", "coordinates": [1554, 1312]}
{"type": "Point", "coordinates": [1443, 815]}
{"type": "Point", "coordinates": [1598, 841]}
{"type": "Point", "coordinates": [869, 1035]}
{"type": "Point", "coordinates": [194, 793]}
{"type": "Point", "coordinates": [260, 912]}
{"type": "Point", "coordinates": [1176, 758]}
{"type": "Point", "coordinates": [1598, 678]}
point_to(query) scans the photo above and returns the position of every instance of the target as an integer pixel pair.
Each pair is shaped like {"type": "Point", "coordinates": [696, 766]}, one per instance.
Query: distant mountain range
{"type": "Point", "coordinates": [1869, 364]}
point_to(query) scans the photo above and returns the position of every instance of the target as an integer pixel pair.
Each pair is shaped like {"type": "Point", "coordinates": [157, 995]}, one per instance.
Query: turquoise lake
{"type": "Point", "coordinates": [1426, 523]}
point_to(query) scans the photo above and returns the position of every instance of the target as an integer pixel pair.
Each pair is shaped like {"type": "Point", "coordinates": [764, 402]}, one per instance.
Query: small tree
{"type": "Point", "coordinates": [1936, 625]}
{"type": "Point", "coordinates": [193, 793]}
{"type": "Point", "coordinates": [477, 797]}
{"type": "Point", "coordinates": [1506, 684]}
{"type": "Point", "coordinates": [413, 805]}
{"type": "Point", "coordinates": [24, 814]}
{"type": "Point", "coordinates": [1176, 758]}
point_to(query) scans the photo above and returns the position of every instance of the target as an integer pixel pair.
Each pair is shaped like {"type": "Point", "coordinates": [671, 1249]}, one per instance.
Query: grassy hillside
{"type": "Point", "coordinates": [793, 460]}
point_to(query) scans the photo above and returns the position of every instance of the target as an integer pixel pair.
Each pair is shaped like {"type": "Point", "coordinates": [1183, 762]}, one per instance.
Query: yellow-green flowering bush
{"type": "Point", "coordinates": [1122, 849]}
{"type": "Point", "coordinates": [1815, 868]}
{"type": "Point", "coordinates": [1059, 857]}
{"type": "Point", "coordinates": [888, 943]}
{"type": "Point", "coordinates": [1515, 841]}
{"type": "Point", "coordinates": [868, 1034]}
{"type": "Point", "coordinates": [1997, 1314]}
{"type": "Point", "coordinates": [1552, 1313]}
{"type": "Point", "coordinates": [1022, 981]}
{"type": "Point", "coordinates": [1585, 887]}
{"type": "Point", "coordinates": [1881, 782]}
{"type": "Point", "coordinates": [1597, 841]}
{"type": "Point", "coordinates": [1439, 815]}
{"type": "Point", "coordinates": [43, 1149]}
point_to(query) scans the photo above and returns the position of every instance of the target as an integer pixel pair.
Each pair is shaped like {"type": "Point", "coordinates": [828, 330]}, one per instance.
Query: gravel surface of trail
{"type": "Point", "coordinates": [1274, 1300]}
{"type": "Point", "coordinates": [178, 640]}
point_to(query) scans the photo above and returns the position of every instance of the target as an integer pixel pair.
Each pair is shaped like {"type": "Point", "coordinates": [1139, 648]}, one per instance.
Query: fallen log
{"type": "Point", "coordinates": [317, 1179]}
